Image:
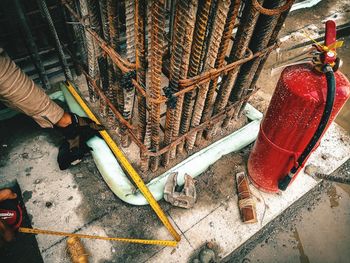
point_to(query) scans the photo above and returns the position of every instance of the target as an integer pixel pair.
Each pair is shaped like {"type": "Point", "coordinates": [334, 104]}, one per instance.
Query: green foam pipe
{"type": "Point", "coordinates": [194, 165]}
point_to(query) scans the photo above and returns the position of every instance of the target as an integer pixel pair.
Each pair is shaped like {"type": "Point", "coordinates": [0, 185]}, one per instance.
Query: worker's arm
{"type": "Point", "coordinates": [18, 91]}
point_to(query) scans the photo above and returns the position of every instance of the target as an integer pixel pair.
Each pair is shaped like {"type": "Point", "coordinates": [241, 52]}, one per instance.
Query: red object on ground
{"type": "Point", "coordinates": [11, 213]}
{"type": "Point", "coordinates": [291, 120]}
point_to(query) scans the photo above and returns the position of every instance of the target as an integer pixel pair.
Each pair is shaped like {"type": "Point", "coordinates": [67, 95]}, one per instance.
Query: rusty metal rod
{"type": "Point", "coordinates": [179, 61]}
{"type": "Point", "coordinates": [143, 146]}
{"type": "Point", "coordinates": [215, 119]}
{"type": "Point", "coordinates": [100, 92]}
{"type": "Point", "coordinates": [198, 44]}
{"type": "Point", "coordinates": [32, 47]}
{"type": "Point", "coordinates": [95, 8]}
{"type": "Point", "coordinates": [90, 46]}
{"type": "Point", "coordinates": [124, 65]}
{"type": "Point", "coordinates": [140, 60]}
{"type": "Point", "coordinates": [259, 41]}
{"type": "Point", "coordinates": [198, 81]}
{"type": "Point", "coordinates": [130, 29]}
{"type": "Point", "coordinates": [220, 61]}
{"type": "Point", "coordinates": [128, 88]}
{"type": "Point", "coordinates": [115, 90]}
{"type": "Point", "coordinates": [245, 30]}
{"type": "Point", "coordinates": [272, 40]}
{"type": "Point", "coordinates": [141, 64]}
{"type": "Point", "coordinates": [221, 11]}
{"type": "Point", "coordinates": [109, 32]}
{"type": "Point", "coordinates": [79, 34]}
{"type": "Point", "coordinates": [61, 56]}
{"type": "Point", "coordinates": [157, 31]}
{"type": "Point", "coordinates": [214, 73]}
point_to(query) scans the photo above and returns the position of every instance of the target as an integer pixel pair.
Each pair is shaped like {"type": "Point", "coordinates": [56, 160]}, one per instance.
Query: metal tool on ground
{"type": "Point", "coordinates": [307, 99]}
{"type": "Point", "coordinates": [186, 198]}
{"type": "Point", "coordinates": [246, 202]}
{"type": "Point", "coordinates": [342, 175]}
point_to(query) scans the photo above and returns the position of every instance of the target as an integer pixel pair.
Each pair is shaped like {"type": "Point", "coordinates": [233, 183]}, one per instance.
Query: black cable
{"type": "Point", "coordinates": [327, 69]}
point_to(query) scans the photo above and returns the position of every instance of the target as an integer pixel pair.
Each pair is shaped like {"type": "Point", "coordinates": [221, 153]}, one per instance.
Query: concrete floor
{"type": "Point", "coordinates": [318, 232]}
{"type": "Point", "coordinates": [77, 200]}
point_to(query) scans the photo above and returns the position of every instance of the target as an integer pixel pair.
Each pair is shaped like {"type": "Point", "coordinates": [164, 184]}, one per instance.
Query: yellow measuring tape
{"type": "Point", "coordinates": [134, 176]}
{"type": "Point", "coordinates": [170, 243]}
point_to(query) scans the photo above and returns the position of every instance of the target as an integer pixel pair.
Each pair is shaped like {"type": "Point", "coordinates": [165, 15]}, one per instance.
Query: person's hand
{"type": "Point", "coordinates": [7, 216]}
{"type": "Point", "coordinates": [76, 134]}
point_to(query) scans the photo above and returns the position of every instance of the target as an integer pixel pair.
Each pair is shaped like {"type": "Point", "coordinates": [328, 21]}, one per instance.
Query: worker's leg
{"type": "Point", "coordinates": [18, 91]}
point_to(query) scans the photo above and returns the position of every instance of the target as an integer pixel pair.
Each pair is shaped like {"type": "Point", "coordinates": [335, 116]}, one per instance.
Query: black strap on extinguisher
{"type": "Point", "coordinates": [327, 69]}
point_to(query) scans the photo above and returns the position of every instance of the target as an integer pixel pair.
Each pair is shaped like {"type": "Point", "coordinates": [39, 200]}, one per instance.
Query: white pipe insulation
{"type": "Point", "coordinates": [194, 165]}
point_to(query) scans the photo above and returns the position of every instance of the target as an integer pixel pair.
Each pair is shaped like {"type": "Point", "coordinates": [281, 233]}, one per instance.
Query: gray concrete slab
{"type": "Point", "coordinates": [82, 202]}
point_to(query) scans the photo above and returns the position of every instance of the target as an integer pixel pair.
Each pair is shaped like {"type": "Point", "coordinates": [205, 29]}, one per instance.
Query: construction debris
{"type": "Point", "coordinates": [246, 202]}
{"type": "Point", "coordinates": [186, 198]}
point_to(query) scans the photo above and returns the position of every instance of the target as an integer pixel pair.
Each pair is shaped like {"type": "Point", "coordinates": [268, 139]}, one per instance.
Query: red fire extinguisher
{"type": "Point", "coordinates": [306, 100]}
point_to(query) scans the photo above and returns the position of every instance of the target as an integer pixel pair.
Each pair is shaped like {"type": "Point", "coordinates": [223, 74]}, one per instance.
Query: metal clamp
{"type": "Point", "coordinates": [185, 198]}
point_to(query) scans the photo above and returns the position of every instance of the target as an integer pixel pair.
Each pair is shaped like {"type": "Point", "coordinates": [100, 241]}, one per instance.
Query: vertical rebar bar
{"type": "Point", "coordinates": [129, 90]}
{"type": "Point", "coordinates": [78, 30]}
{"type": "Point", "coordinates": [220, 61]}
{"type": "Point", "coordinates": [115, 91]}
{"type": "Point", "coordinates": [245, 30]}
{"type": "Point", "coordinates": [106, 6]}
{"type": "Point", "coordinates": [258, 42]}
{"type": "Point", "coordinates": [130, 29]}
{"type": "Point", "coordinates": [179, 61]}
{"type": "Point", "coordinates": [91, 48]}
{"type": "Point", "coordinates": [209, 63]}
{"type": "Point", "coordinates": [198, 45]}
{"type": "Point", "coordinates": [244, 33]}
{"type": "Point", "coordinates": [155, 62]}
{"type": "Point", "coordinates": [171, 18]}
{"type": "Point", "coordinates": [272, 41]}
{"type": "Point", "coordinates": [70, 36]}
{"type": "Point", "coordinates": [140, 60]}
{"type": "Point", "coordinates": [29, 39]}
{"type": "Point", "coordinates": [96, 25]}
{"type": "Point", "coordinates": [61, 55]}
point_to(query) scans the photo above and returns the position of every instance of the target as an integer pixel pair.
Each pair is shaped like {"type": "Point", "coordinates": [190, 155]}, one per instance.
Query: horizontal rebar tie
{"type": "Point", "coordinates": [157, 76]}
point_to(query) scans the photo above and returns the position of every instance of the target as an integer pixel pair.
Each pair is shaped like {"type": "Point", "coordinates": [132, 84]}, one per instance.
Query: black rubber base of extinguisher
{"type": "Point", "coordinates": [327, 69]}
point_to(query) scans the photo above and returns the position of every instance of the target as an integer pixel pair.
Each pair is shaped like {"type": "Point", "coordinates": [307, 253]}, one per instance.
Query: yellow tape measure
{"type": "Point", "coordinates": [134, 176]}
{"type": "Point", "coordinates": [127, 166]}
{"type": "Point", "coordinates": [170, 243]}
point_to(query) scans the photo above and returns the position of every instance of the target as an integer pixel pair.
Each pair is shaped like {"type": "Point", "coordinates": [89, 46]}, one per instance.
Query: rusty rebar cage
{"type": "Point", "coordinates": [168, 73]}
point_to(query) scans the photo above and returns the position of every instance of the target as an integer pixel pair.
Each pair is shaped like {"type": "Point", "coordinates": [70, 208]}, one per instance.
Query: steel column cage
{"type": "Point", "coordinates": [195, 73]}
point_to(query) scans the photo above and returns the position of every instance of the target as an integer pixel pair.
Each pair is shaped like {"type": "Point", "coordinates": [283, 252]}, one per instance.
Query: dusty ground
{"type": "Point", "coordinates": [316, 232]}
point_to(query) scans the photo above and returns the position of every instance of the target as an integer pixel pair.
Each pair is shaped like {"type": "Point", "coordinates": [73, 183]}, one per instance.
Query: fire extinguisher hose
{"type": "Point", "coordinates": [327, 69]}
